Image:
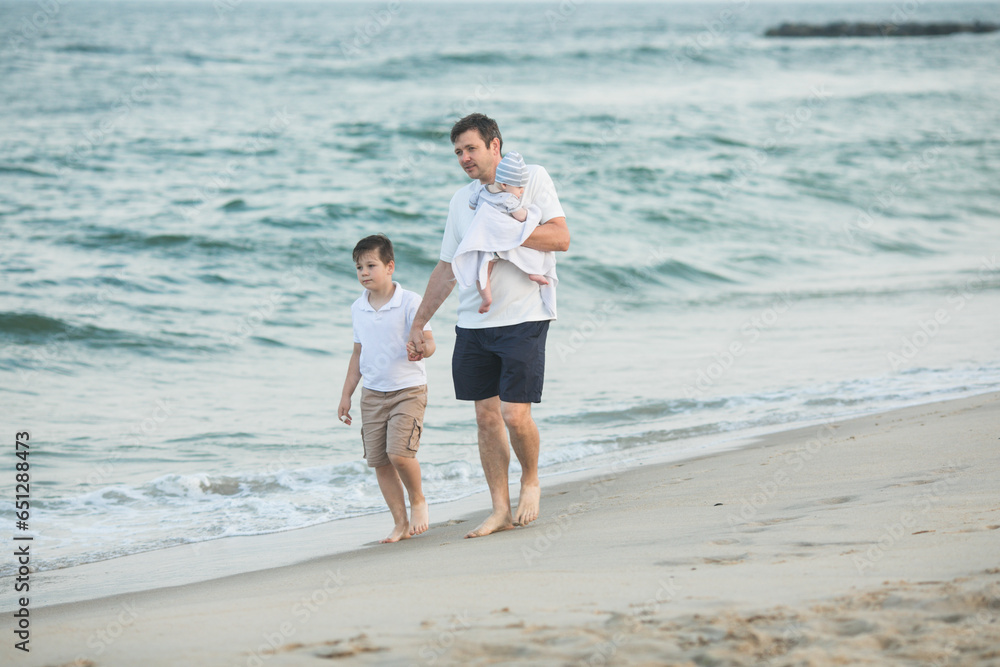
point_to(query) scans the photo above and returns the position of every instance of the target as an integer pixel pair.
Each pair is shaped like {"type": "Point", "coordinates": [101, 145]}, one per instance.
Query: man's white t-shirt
{"type": "Point", "coordinates": [383, 334]}
{"type": "Point", "coordinates": [516, 298]}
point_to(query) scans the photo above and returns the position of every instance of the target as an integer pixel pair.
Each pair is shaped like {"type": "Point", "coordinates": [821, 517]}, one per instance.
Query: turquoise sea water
{"type": "Point", "coordinates": [766, 232]}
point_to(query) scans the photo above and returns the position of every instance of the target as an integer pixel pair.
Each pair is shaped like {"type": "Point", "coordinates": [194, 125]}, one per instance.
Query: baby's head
{"type": "Point", "coordinates": [511, 175]}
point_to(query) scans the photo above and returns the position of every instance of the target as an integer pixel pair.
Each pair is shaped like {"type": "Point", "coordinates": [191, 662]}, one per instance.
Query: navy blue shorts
{"type": "Point", "coordinates": [508, 362]}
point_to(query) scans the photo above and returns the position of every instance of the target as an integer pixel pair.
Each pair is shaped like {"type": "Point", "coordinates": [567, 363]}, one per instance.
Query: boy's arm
{"type": "Point", "coordinates": [350, 384]}
{"type": "Point", "coordinates": [519, 214]}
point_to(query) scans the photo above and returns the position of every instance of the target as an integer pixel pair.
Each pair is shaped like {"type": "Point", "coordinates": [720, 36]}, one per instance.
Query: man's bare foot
{"type": "Point", "coordinates": [493, 524]}
{"type": "Point", "coordinates": [527, 504]}
{"type": "Point", "coordinates": [419, 519]}
{"type": "Point", "coordinates": [399, 532]}
{"type": "Point", "coordinates": [541, 280]}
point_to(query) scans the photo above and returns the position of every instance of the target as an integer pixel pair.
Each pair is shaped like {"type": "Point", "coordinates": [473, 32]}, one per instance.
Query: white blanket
{"type": "Point", "coordinates": [494, 232]}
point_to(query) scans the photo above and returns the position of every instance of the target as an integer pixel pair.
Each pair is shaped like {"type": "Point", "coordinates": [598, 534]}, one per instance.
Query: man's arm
{"type": "Point", "coordinates": [439, 286]}
{"type": "Point", "coordinates": [551, 236]}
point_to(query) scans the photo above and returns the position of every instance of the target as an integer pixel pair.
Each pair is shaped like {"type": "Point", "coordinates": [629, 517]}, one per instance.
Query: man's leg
{"type": "Point", "coordinates": [494, 454]}
{"type": "Point", "coordinates": [525, 440]}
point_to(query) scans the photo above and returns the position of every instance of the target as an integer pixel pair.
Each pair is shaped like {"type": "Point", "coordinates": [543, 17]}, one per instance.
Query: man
{"type": "Point", "coordinates": [499, 357]}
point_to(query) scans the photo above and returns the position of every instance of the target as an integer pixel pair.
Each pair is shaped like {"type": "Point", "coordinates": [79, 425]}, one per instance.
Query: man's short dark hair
{"type": "Point", "coordinates": [486, 126]}
{"type": "Point", "coordinates": [377, 243]}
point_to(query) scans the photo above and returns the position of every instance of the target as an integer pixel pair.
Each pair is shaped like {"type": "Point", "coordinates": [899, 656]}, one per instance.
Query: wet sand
{"type": "Point", "coordinates": [868, 541]}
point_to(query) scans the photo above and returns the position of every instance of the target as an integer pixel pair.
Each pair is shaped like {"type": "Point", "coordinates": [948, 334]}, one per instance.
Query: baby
{"type": "Point", "coordinates": [504, 194]}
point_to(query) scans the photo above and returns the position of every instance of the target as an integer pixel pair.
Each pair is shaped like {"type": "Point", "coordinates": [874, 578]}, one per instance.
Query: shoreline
{"type": "Point", "coordinates": [899, 505]}
{"type": "Point", "coordinates": [196, 562]}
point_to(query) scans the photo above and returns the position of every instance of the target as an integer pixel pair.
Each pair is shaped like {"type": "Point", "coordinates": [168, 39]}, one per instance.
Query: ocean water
{"type": "Point", "coordinates": [766, 233]}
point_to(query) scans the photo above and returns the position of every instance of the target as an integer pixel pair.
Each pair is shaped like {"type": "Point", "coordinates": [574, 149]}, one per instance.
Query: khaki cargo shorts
{"type": "Point", "coordinates": [391, 422]}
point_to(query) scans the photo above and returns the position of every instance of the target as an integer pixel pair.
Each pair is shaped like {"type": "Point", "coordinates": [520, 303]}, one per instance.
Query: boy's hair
{"type": "Point", "coordinates": [486, 126]}
{"type": "Point", "coordinates": [376, 243]}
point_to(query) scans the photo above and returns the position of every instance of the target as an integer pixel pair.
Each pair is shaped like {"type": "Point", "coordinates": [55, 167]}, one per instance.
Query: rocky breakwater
{"type": "Point", "coordinates": [846, 29]}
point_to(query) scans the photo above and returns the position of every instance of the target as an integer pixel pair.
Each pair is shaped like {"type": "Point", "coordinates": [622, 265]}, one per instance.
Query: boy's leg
{"type": "Point", "coordinates": [375, 413]}
{"type": "Point", "coordinates": [402, 443]}
{"type": "Point", "coordinates": [392, 490]}
{"type": "Point", "coordinates": [408, 471]}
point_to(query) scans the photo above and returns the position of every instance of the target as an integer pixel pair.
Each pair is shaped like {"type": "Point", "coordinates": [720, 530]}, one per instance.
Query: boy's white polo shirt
{"type": "Point", "coordinates": [383, 335]}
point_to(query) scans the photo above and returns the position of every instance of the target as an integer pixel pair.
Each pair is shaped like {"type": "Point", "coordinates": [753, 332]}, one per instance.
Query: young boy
{"type": "Point", "coordinates": [504, 195]}
{"type": "Point", "coordinates": [394, 392]}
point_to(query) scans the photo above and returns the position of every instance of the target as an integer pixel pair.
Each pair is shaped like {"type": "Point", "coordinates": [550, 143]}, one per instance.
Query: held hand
{"type": "Point", "coordinates": [343, 412]}
{"type": "Point", "coordinates": [415, 346]}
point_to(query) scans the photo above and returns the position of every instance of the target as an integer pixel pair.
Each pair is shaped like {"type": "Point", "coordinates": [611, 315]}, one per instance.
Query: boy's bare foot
{"type": "Point", "coordinates": [399, 532]}
{"type": "Point", "coordinates": [528, 503]}
{"type": "Point", "coordinates": [541, 280]}
{"type": "Point", "coordinates": [493, 524]}
{"type": "Point", "coordinates": [485, 307]}
{"type": "Point", "coordinates": [419, 518]}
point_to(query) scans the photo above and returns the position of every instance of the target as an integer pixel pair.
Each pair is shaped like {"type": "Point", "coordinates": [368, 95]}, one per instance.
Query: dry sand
{"type": "Point", "coordinates": [870, 541]}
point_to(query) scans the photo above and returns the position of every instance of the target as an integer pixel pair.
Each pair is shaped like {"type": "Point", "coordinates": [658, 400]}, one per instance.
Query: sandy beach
{"type": "Point", "coordinates": [868, 541]}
